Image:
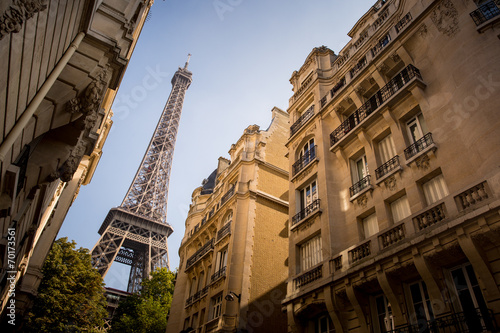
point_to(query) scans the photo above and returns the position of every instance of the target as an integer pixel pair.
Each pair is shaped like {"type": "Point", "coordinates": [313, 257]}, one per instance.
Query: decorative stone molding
{"type": "Point", "coordinates": [339, 109]}
{"type": "Point", "coordinates": [362, 201]}
{"type": "Point", "coordinates": [88, 105]}
{"type": "Point", "coordinates": [17, 13]}
{"type": "Point", "coordinates": [423, 162]}
{"type": "Point", "coordinates": [395, 57]}
{"type": "Point", "coordinates": [445, 17]}
{"type": "Point", "coordinates": [391, 183]}
{"type": "Point", "coordinates": [422, 31]}
{"type": "Point", "coordinates": [360, 90]}
{"type": "Point", "coordinates": [311, 130]}
{"type": "Point", "coordinates": [383, 68]}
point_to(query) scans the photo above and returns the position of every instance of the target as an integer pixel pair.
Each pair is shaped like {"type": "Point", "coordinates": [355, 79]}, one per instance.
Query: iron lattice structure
{"type": "Point", "coordinates": [136, 232]}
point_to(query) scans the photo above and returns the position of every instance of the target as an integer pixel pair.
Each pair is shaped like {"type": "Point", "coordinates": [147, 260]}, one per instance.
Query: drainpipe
{"type": "Point", "coordinates": [18, 128]}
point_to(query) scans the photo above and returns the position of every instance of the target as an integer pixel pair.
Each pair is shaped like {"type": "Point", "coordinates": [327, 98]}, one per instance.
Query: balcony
{"type": "Point", "coordinates": [227, 195]}
{"type": "Point", "coordinates": [380, 45]}
{"type": "Point", "coordinates": [302, 120]}
{"type": "Point", "coordinates": [392, 236]}
{"type": "Point", "coordinates": [475, 321]}
{"type": "Point", "coordinates": [202, 251]}
{"type": "Point", "coordinates": [388, 168]}
{"type": "Point", "coordinates": [358, 67]}
{"type": "Point", "coordinates": [403, 23]}
{"type": "Point", "coordinates": [219, 274]}
{"type": "Point", "coordinates": [306, 212]}
{"type": "Point", "coordinates": [308, 277]}
{"type": "Point", "coordinates": [360, 252]}
{"type": "Point", "coordinates": [486, 12]}
{"type": "Point", "coordinates": [418, 148]}
{"type": "Point", "coordinates": [224, 231]}
{"type": "Point", "coordinates": [472, 197]}
{"type": "Point", "coordinates": [397, 83]}
{"type": "Point", "coordinates": [304, 160]}
{"type": "Point", "coordinates": [430, 217]}
{"type": "Point", "coordinates": [360, 187]}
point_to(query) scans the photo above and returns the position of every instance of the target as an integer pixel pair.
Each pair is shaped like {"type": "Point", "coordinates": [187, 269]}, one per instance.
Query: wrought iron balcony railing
{"type": "Point", "coordinates": [302, 162]}
{"type": "Point", "coordinates": [358, 67]}
{"type": "Point", "coordinates": [486, 12]}
{"type": "Point", "coordinates": [381, 96]}
{"type": "Point", "coordinates": [308, 277]}
{"type": "Point", "coordinates": [202, 251]}
{"type": "Point", "coordinates": [359, 186]}
{"type": "Point", "coordinates": [475, 321]}
{"type": "Point", "coordinates": [310, 209]}
{"type": "Point", "coordinates": [302, 120]}
{"type": "Point", "coordinates": [217, 275]}
{"type": "Point", "coordinates": [418, 146]}
{"type": "Point", "coordinates": [227, 195]}
{"type": "Point", "coordinates": [225, 230]}
{"type": "Point", "coordinates": [387, 167]}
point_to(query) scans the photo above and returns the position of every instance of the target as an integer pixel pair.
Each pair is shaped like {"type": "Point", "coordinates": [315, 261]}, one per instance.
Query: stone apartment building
{"type": "Point", "coordinates": [394, 155]}
{"type": "Point", "coordinates": [62, 63]}
{"type": "Point", "coordinates": [233, 257]}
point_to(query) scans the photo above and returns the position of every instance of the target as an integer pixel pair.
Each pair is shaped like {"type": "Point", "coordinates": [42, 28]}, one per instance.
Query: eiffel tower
{"type": "Point", "coordinates": [135, 233]}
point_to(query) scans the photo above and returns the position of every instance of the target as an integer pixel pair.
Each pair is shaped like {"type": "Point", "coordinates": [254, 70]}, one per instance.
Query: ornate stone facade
{"type": "Point", "coordinates": [233, 254]}
{"type": "Point", "coordinates": [395, 223]}
{"type": "Point", "coordinates": [52, 138]}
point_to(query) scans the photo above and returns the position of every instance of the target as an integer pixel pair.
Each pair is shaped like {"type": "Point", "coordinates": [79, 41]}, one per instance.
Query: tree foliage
{"type": "Point", "coordinates": [71, 295]}
{"type": "Point", "coordinates": [146, 311]}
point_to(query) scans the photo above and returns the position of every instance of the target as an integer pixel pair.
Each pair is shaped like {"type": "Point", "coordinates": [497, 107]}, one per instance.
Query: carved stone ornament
{"type": "Point", "coordinates": [360, 90]}
{"type": "Point", "coordinates": [390, 183]}
{"type": "Point", "coordinates": [311, 130]}
{"type": "Point", "coordinates": [383, 68]}
{"type": "Point", "coordinates": [422, 31]}
{"type": "Point", "coordinates": [395, 57]}
{"type": "Point", "coordinates": [18, 12]}
{"type": "Point", "coordinates": [423, 162]}
{"type": "Point", "coordinates": [445, 17]}
{"type": "Point", "coordinates": [88, 104]}
{"type": "Point", "coordinates": [339, 109]}
{"type": "Point", "coordinates": [362, 201]}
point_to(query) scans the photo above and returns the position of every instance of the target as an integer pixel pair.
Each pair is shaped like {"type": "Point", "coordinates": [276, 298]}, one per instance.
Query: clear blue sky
{"type": "Point", "coordinates": [243, 55]}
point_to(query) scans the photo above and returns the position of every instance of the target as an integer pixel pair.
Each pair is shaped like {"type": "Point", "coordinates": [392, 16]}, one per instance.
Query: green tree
{"type": "Point", "coordinates": [146, 311]}
{"type": "Point", "coordinates": [71, 294]}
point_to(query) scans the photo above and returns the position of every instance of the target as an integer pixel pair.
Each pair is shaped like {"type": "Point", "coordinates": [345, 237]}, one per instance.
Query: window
{"type": "Point", "coordinates": [417, 128]}
{"type": "Point", "coordinates": [193, 287]}
{"type": "Point", "coordinates": [201, 281]}
{"type": "Point", "coordinates": [310, 253]}
{"type": "Point", "coordinates": [370, 225]}
{"type": "Point", "coordinates": [308, 194]}
{"type": "Point", "coordinates": [216, 306]}
{"type": "Point", "coordinates": [435, 189]}
{"type": "Point", "coordinates": [384, 314]}
{"type": "Point", "coordinates": [229, 218]}
{"type": "Point", "coordinates": [359, 169]}
{"type": "Point", "coordinates": [221, 260]}
{"type": "Point", "coordinates": [323, 325]}
{"type": "Point", "coordinates": [386, 149]}
{"type": "Point", "coordinates": [400, 209]}
{"type": "Point", "coordinates": [194, 322]}
{"type": "Point", "coordinates": [421, 306]}
{"type": "Point", "coordinates": [470, 298]}
{"type": "Point", "coordinates": [307, 152]}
